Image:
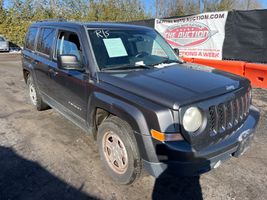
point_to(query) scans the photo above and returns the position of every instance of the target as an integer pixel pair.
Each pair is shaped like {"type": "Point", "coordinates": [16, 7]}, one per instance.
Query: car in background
{"type": "Point", "coordinates": [4, 44]}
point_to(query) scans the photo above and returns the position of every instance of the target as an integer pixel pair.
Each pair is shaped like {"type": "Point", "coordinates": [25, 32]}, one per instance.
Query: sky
{"type": "Point", "coordinates": [264, 3]}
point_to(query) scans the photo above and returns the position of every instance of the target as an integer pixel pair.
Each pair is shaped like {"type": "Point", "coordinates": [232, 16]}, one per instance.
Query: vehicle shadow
{"type": "Point", "coordinates": [177, 188]}
{"type": "Point", "coordinates": [24, 179]}
{"type": "Point", "coordinates": [171, 186]}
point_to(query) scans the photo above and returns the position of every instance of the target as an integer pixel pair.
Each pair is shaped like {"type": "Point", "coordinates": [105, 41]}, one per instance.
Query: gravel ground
{"type": "Point", "coordinates": [44, 156]}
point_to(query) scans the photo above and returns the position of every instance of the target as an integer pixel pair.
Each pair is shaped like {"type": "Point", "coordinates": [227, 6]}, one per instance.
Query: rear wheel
{"type": "Point", "coordinates": [118, 150]}
{"type": "Point", "coordinates": [35, 96]}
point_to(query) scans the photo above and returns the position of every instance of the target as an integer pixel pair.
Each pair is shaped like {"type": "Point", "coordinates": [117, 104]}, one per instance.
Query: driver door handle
{"type": "Point", "coordinates": [36, 62]}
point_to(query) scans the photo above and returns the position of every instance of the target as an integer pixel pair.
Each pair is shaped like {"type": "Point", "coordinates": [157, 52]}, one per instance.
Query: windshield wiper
{"type": "Point", "coordinates": [126, 67]}
{"type": "Point", "coordinates": [166, 61]}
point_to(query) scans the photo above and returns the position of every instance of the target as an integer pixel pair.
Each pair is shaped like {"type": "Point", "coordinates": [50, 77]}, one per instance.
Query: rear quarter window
{"type": "Point", "coordinates": [45, 40]}
{"type": "Point", "coordinates": [30, 38]}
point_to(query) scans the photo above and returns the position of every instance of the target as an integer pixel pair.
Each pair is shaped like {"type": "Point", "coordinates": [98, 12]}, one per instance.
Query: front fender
{"type": "Point", "coordinates": [125, 111]}
{"type": "Point", "coordinates": [132, 115]}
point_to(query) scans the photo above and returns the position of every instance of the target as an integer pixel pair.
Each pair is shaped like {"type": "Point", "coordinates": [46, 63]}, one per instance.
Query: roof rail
{"type": "Point", "coordinates": [53, 20]}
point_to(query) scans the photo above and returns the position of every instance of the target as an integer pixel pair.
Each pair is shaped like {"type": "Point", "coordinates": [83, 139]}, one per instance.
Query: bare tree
{"type": "Point", "coordinates": [251, 4]}
{"type": "Point", "coordinates": [248, 4]}
{"type": "Point", "coordinates": [169, 8]}
{"type": "Point", "coordinates": [2, 12]}
{"type": "Point", "coordinates": [1, 4]}
{"type": "Point", "coordinates": [162, 7]}
{"type": "Point", "coordinates": [52, 7]}
{"type": "Point", "coordinates": [226, 5]}
{"type": "Point", "coordinates": [221, 5]}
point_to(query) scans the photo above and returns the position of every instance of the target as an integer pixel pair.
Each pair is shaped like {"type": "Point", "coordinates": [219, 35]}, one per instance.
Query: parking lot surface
{"type": "Point", "coordinates": [44, 156]}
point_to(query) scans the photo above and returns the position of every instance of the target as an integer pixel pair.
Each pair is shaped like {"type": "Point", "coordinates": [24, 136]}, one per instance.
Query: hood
{"type": "Point", "coordinates": [175, 85]}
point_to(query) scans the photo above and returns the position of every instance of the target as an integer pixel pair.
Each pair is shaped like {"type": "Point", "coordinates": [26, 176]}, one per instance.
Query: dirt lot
{"type": "Point", "coordinates": [43, 156]}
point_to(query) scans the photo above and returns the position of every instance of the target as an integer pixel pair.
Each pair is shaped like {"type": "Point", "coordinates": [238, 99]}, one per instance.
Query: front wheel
{"type": "Point", "coordinates": [118, 150]}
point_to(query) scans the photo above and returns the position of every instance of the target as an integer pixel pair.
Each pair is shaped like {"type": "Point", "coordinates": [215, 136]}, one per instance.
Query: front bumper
{"type": "Point", "coordinates": [179, 158]}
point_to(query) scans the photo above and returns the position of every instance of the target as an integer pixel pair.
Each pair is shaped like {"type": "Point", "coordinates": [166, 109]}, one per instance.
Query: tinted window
{"type": "Point", "coordinates": [68, 43]}
{"type": "Point", "coordinates": [45, 40]}
{"type": "Point", "coordinates": [30, 39]}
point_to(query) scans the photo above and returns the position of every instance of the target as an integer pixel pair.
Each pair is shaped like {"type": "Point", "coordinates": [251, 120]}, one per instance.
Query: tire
{"type": "Point", "coordinates": [120, 133]}
{"type": "Point", "coordinates": [35, 96]}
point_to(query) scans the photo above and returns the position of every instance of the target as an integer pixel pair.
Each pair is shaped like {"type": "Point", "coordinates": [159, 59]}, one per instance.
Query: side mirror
{"type": "Point", "coordinates": [69, 62]}
{"type": "Point", "coordinates": [177, 51]}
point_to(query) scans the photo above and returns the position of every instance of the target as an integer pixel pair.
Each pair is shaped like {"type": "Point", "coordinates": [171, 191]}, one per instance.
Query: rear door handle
{"type": "Point", "coordinates": [52, 71]}
{"type": "Point", "coordinates": [36, 62]}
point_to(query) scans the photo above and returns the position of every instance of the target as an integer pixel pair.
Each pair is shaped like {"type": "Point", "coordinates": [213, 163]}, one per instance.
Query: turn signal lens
{"type": "Point", "coordinates": [166, 137]}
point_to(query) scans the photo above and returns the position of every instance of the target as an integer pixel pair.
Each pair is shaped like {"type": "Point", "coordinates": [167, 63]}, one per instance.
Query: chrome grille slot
{"type": "Point", "coordinates": [221, 124]}
{"type": "Point", "coordinates": [247, 102]}
{"type": "Point", "coordinates": [235, 111]}
{"type": "Point", "coordinates": [212, 119]}
{"type": "Point", "coordinates": [229, 113]}
{"type": "Point", "coordinates": [243, 106]}
{"type": "Point", "coordinates": [240, 103]}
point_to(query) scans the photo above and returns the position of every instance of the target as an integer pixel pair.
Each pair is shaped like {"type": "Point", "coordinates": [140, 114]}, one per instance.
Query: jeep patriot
{"type": "Point", "coordinates": [144, 106]}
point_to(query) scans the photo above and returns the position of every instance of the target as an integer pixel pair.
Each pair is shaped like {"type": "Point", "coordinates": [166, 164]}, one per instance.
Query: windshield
{"type": "Point", "coordinates": [2, 39]}
{"type": "Point", "coordinates": [131, 48]}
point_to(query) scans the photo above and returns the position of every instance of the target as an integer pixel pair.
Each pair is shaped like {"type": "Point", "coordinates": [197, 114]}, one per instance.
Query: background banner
{"type": "Point", "coordinates": [198, 36]}
{"type": "Point", "coordinates": [246, 36]}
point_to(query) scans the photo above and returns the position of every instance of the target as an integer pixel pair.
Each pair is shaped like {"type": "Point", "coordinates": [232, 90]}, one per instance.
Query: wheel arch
{"type": "Point", "coordinates": [102, 105]}
{"type": "Point", "coordinates": [26, 74]}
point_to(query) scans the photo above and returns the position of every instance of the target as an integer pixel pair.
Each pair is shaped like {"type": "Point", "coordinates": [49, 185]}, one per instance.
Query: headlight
{"type": "Point", "coordinates": [192, 119]}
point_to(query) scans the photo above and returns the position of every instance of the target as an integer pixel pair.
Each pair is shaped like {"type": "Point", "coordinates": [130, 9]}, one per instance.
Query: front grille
{"type": "Point", "coordinates": [225, 116]}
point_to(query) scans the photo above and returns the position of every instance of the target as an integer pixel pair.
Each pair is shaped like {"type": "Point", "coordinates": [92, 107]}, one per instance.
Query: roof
{"type": "Point", "coordinates": [88, 24]}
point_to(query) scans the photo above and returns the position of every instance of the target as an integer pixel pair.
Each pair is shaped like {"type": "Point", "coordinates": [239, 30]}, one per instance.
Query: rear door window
{"type": "Point", "coordinates": [45, 40]}
{"type": "Point", "coordinates": [30, 39]}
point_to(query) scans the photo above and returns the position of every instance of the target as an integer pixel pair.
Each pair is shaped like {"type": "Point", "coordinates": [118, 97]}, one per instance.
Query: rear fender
{"type": "Point", "coordinates": [27, 65]}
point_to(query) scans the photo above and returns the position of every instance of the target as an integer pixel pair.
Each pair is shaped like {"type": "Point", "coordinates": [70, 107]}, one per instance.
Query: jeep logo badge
{"type": "Point", "coordinates": [230, 87]}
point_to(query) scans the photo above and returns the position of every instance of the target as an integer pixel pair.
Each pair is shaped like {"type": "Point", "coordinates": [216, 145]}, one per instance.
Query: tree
{"type": "Point", "coordinates": [226, 5]}
{"type": "Point", "coordinates": [170, 8]}
{"type": "Point", "coordinates": [1, 5]}
{"type": "Point", "coordinates": [2, 11]}
{"type": "Point", "coordinates": [250, 4]}
{"type": "Point", "coordinates": [15, 20]}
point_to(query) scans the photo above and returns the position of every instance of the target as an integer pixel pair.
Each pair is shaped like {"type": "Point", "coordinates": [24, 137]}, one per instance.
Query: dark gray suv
{"type": "Point", "coordinates": [145, 107]}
